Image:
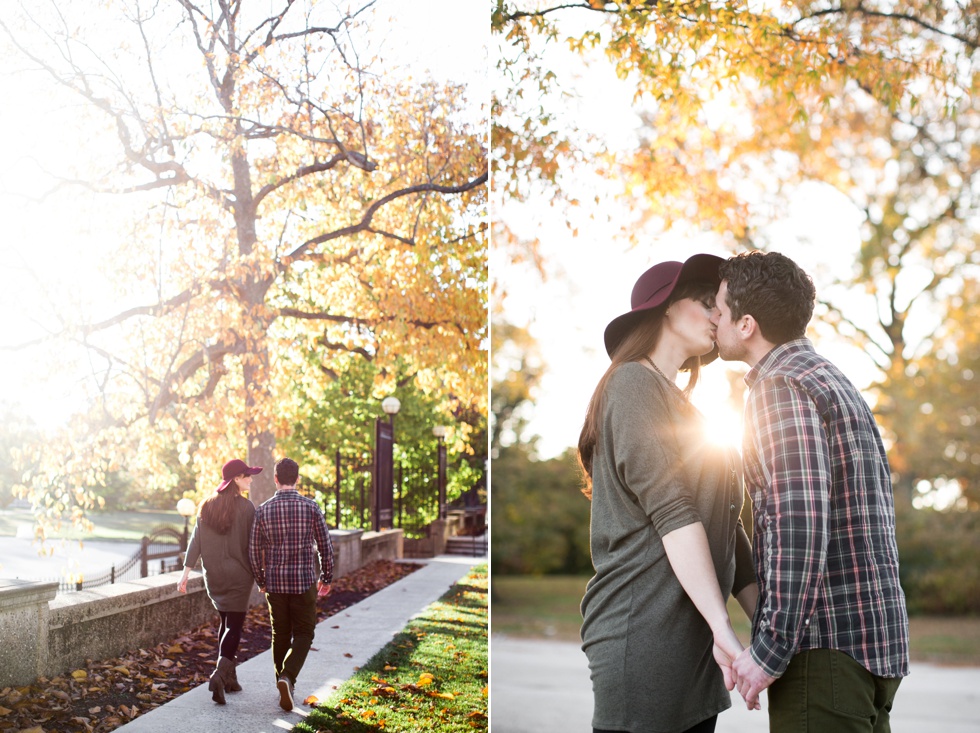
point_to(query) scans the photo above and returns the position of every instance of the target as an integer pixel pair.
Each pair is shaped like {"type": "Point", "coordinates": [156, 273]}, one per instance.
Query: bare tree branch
{"type": "Point", "coordinates": [365, 222]}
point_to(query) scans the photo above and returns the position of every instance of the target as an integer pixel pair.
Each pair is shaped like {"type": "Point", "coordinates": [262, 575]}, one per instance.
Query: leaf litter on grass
{"type": "Point", "coordinates": [431, 677]}
{"type": "Point", "coordinates": [108, 693]}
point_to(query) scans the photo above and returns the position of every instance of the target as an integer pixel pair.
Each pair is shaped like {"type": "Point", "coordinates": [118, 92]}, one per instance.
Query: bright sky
{"type": "Point", "coordinates": [54, 249]}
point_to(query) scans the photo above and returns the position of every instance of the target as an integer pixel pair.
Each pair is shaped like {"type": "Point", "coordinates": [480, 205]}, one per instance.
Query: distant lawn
{"type": "Point", "coordinates": [547, 607]}
{"type": "Point", "coordinates": [543, 607]}
{"type": "Point", "coordinates": [128, 526]}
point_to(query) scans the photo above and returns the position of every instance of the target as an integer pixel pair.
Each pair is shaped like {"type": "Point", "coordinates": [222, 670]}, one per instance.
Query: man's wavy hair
{"type": "Point", "coordinates": [772, 289]}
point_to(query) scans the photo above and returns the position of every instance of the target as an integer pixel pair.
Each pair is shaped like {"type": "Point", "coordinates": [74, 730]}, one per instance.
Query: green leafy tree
{"type": "Point", "coordinates": [517, 369]}
{"type": "Point", "coordinates": [341, 415]}
{"type": "Point", "coordinates": [540, 517]}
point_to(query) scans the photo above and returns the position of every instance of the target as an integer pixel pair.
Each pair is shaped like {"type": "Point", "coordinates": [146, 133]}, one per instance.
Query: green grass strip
{"type": "Point", "coordinates": [430, 677]}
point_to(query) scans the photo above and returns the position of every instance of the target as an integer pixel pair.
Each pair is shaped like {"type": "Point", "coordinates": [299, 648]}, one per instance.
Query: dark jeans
{"type": "Point", "coordinates": [230, 633]}
{"type": "Point", "coordinates": [826, 690]}
{"type": "Point", "coordinates": [705, 726]}
{"type": "Point", "coordinates": [293, 617]}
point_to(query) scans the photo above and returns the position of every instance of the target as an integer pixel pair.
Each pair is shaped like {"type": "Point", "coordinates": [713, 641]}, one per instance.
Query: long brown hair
{"type": "Point", "coordinates": [218, 510]}
{"type": "Point", "coordinates": [642, 338]}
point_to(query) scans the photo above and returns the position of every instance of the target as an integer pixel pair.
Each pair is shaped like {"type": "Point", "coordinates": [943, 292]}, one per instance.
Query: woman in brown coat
{"type": "Point", "coordinates": [220, 542]}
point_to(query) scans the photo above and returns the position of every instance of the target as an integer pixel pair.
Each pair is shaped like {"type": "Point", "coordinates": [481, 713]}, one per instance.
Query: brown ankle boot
{"type": "Point", "coordinates": [217, 682]}
{"type": "Point", "coordinates": [231, 679]}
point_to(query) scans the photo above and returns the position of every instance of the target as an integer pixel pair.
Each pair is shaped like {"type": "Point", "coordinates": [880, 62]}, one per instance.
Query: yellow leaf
{"type": "Point", "coordinates": [80, 674]}
{"type": "Point", "coordinates": [486, 691]}
{"type": "Point", "coordinates": [35, 729]}
{"type": "Point", "coordinates": [122, 669]}
{"type": "Point", "coordinates": [443, 695]}
{"type": "Point", "coordinates": [426, 678]}
{"type": "Point", "coordinates": [4, 711]}
{"type": "Point", "coordinates": [311, 700]}
{"type": "Point", "coordinates": [368, 714]}
{"type": "Point", "coordinates": [175, 649]}
{"type": "Point", "coordinates": [390, 669]}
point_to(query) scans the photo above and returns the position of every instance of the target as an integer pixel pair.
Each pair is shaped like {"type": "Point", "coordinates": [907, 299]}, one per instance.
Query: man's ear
{"type": "Point", "coordinates": [747, 327]}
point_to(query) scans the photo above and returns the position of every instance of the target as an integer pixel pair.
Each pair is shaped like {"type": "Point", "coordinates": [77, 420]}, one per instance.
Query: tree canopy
{"type": "Point", "coordinates": [738, 108]}
{"type": "Point", "coordinates": [287, 199]}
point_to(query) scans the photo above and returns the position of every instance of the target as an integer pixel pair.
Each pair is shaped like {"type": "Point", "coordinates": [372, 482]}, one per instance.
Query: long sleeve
{"type": "Point", "coordinates": [256, 551]}
{"type": "Point", "coordinates": [324, 548]}
{"type": "Point", "coordinates": [792, 518]}
{"type": "Point", "coordinates": [193, 555]}
{"type": "Point", "coordinates": [648, 458]}
{"type": "Point", "coordinates": [744, 568]}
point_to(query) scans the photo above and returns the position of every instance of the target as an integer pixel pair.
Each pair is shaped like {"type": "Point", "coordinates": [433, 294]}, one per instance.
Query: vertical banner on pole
{"type": "Point", "coordinates": [384, 488]}
{"type": "Point", "coordinates": [443, 509]}
{"type": "Point", "coordinates": [337, 485]}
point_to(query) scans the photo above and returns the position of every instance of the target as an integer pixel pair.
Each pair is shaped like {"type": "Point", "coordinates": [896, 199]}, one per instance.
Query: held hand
{"type": "Point", "coordinates": [726, 648]}
{"type": "Point", "coordinates": [725, 662]}
{"type": "Point", "coordinates": [751, 679]}
{"type": "Point", "coordinates": [322, 589]}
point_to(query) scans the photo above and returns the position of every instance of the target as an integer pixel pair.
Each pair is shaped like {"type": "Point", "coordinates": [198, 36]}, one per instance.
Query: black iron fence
{"type": "Point", "coordinates": [350, 502]}
{"type": "Point", "coordinates": [160, 552]}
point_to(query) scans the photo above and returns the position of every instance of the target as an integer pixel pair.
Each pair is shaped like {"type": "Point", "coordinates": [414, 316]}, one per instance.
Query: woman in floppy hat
{"type": "Point", "coordinates": [220, 542]}
{"type": "Point", "coordinates": [667, 544]}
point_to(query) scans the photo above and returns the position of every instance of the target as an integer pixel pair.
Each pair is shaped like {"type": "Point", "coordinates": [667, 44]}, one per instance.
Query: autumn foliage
{"type": "Point", "coordinates": [287, 198]}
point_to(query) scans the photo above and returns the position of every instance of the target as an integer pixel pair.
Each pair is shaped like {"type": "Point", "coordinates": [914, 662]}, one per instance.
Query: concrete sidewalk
{"type": "Point", "coordinates": [343, 642]}
{"type": "Point", "coordinates": [544, 687]}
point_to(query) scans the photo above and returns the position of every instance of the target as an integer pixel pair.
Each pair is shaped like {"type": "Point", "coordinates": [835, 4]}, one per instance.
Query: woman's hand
{"type": "Point", "coordinates": [182, 583]}
{"type": "Point", "coordinates": [727, 648]}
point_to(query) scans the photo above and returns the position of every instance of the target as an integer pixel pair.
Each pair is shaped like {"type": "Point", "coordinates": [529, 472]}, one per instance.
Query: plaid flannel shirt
{"type": "Point", "coordinates": [824, 542]}
{"type": "Point", "coordinates": [288, 533]}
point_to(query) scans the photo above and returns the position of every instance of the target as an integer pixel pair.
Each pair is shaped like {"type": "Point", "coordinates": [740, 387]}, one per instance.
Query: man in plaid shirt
{"type": "Point", "coordinates": [830, 630]}
{"type": "Point", "coordinates": [288, 535]}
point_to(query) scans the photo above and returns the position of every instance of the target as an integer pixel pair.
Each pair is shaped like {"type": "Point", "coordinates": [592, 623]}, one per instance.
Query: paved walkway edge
{"type": "Point", "coordinates": [343, 642]}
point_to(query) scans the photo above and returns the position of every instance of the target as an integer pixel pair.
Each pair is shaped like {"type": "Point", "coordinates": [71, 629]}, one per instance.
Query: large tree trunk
{"type": "Point", "coordinates": [261, 441]}
{"type": "Point", "coordinates": [259, 406]}
{"type": "Point", "coordinates": [261, 452]}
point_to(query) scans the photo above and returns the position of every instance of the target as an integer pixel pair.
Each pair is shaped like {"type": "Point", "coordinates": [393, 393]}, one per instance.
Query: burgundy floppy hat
{"type": "Point", "coordinates": [233, 468]}
{"type": "Point", "coordinates": [654, 287]}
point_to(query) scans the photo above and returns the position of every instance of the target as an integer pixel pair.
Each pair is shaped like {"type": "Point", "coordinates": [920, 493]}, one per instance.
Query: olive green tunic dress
{"type": "Point", "coordinates": [227, 573]}
{"type": "Point", "coordinates": [653, 472]}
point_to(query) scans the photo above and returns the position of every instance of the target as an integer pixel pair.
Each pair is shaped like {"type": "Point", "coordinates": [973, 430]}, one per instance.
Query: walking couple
{"type": "Point", "coordinates": [819, 577]}
{"type": "Point", "coordinates": [279, 547]}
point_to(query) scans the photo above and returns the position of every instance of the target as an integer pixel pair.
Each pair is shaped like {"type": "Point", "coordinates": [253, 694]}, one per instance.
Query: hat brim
{"type": "Point", "coordinates": [249, 471]}
{"type": "Point", "coordinates": [697, 267]}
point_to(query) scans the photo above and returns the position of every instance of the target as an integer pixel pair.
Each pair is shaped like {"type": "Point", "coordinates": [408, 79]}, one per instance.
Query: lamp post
{"type": "Point", "coordinates": [185, 508]}
{"type": "Point", "coordinates": [391, 406]}
{"type": "Point", "coordinates": [440, 432]}
{"type": "Point", "coordinates": [384, 465]}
